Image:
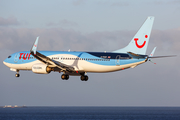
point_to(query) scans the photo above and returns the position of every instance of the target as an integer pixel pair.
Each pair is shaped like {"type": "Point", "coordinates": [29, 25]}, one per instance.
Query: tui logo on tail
{"type": "Point", "coordinates": [140, 46]}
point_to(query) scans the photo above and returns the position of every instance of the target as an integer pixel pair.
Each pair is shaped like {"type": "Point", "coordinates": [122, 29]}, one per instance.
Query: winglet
{"type": "Point", "coordinates": [34, 47]}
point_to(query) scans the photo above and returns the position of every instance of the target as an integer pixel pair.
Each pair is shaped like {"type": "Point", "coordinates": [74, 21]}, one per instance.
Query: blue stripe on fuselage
{"type": "Point", "coordinates": [100, 58]}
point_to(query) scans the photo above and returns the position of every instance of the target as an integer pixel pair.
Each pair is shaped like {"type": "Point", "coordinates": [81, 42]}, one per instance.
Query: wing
{"type": "Point", "coordinates": [48, 61]}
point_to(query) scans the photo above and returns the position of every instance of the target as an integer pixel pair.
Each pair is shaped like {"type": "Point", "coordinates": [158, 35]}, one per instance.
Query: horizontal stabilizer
{"type": "Point", "coordinates": [163, 56]}
{"type": "Point", "coordinates": [152, 53]}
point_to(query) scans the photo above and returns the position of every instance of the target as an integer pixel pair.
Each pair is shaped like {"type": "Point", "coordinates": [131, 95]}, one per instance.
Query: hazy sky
{"type": "Point", "coordinates": [90, 25]}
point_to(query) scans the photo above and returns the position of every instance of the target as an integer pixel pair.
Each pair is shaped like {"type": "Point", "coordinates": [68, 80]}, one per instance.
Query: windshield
{"type": "Point", "coordinates": [9, 56]}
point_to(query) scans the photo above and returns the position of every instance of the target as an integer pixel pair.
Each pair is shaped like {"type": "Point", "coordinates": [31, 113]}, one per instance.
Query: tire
{"type": "Point", "coordinates": [63, 76]}
{"type": "Point", "coordinates": [67, 77]}
{"type": "Point", "coordinates": [86, 78]}
{"type": "Point", "coordinates": [82, 78]}
{"type": "Point", "coordinates": [17, 75]}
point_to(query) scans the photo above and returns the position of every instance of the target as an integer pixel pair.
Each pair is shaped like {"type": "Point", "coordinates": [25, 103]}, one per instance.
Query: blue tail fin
{"type": "Point", "coordinates": [140, 41]}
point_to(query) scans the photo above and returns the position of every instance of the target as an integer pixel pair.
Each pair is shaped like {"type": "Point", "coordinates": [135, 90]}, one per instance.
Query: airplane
{"type": "Point", "coordinates": [80, 63]}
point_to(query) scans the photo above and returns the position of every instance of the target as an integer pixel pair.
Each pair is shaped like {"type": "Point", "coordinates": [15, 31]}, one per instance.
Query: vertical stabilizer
{"type": "Point", "coordinates": [140, 41]}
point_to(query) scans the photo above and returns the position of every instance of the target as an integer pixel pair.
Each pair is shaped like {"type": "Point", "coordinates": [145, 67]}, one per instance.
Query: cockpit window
{"type": "Point", "coordinates": [9, 56]}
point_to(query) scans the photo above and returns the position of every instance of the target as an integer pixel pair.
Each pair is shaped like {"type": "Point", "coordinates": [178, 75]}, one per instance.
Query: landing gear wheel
{"type": "Point", "coordinates": [67, 77]}
{"type": "Point", "coordinates": [64, 77]}
{"type": "Point", "coordinates": [17, 75]}
{"type": "Point", "coordinates": [84, 78]}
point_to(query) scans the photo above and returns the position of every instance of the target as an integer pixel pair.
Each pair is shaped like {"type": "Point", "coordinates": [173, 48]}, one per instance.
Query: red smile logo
{"type": "Point", "coordinates": [140, 46]}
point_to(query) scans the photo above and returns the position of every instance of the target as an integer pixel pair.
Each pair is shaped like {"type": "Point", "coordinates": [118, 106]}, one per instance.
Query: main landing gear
{"type": "Point", "coordinates": [64, 76]}
{"type": "Point", "coordinates": [84, 78]}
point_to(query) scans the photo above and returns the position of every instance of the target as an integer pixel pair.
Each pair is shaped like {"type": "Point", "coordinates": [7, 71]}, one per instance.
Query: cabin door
{"type": "Point", "coordinates": [117, 60]}
{"type": "Point", "coordinates": [16, 57]}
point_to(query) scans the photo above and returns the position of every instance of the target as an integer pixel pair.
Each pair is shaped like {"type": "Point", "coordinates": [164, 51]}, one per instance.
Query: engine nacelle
{"type": "Point", "coordinates": [41, 68]}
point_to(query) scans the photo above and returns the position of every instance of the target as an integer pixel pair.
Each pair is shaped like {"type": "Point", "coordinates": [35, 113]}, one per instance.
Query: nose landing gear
{"type": "Point", "coordinates": [17, 74]}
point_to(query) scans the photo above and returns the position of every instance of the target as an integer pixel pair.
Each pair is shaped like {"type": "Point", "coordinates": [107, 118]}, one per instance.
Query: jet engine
{"type": "Point", "coordinates": [41, 68]}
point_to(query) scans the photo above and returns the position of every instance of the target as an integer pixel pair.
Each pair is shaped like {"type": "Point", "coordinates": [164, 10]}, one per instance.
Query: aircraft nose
{"type": "Point", "coordinates": [5, 62]}
{"type": "Point", "coordinates": [8, 61]}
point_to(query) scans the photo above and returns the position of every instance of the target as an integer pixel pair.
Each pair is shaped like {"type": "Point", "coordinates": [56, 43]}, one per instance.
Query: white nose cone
{"type": "Point", "coordinates": [7, 64]}
{"type": "Point", "coordinates": [4, 63]}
